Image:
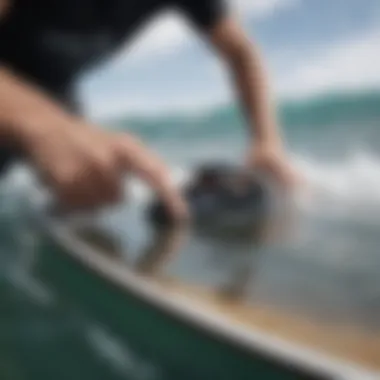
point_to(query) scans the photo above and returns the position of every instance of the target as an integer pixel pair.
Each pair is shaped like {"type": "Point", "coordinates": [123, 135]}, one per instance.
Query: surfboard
{"type": "Point", "coordinates": [221, 306]}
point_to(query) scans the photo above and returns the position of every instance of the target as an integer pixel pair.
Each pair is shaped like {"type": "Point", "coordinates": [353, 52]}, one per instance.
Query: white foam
{"type": "Point", "coordinates": [342, 189]}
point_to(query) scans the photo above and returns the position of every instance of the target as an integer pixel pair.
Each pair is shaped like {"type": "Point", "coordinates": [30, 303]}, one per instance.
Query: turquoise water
{"type": "Point", "coordinates": [334, 141]}
{"type": "Point", "coordinates": [351, 117]}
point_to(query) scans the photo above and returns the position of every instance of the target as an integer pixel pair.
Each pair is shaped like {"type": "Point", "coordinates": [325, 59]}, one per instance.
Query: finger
{"type": "Point", "coordinates": [150, 169]}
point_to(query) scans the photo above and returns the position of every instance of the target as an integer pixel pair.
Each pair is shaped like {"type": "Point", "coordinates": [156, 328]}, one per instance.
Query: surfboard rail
{"type": "Point", "coordinates": [306, 362]}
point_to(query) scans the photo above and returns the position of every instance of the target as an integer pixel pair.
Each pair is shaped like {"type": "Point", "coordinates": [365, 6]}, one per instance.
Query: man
{"type": "Point", "coordinates": [46, 44]}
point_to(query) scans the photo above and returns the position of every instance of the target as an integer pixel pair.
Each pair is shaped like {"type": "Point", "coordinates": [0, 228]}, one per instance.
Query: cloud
{"type": "Point", "coordinates": [163, 35]}
{"type": "Point", "coordinates": [352, 64]}
{"type": "Point", "coordinates": [260, 9]}
{"type": "Point", "coordinates": [101, 109]}
{"type": "Point", "coordinates": [349, 65]}
{"type": "Point", "coordinates": [170, 31]}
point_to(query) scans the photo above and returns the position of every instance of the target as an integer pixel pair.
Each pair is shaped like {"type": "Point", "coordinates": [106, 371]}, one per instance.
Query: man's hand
{"type": "Point", "coordinates": [244, 61]}
{"type": "Point", "coordinates": [272, 160]}
{"type": "Point", "coordinates": [86, 167]}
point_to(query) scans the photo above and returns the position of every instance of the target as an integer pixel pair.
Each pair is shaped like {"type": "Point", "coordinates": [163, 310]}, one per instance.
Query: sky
{"type": "Point", "coordinates": [310, 46]}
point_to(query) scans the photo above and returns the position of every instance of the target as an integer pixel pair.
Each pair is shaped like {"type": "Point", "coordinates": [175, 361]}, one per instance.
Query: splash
{"type": "Point", "coordinates": [347, 188]}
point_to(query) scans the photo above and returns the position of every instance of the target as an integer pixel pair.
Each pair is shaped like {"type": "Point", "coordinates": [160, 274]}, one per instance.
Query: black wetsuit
{"type": "Point", "coordinates": [51, 42]}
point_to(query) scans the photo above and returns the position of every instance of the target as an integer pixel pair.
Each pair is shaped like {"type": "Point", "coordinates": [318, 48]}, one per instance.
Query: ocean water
{"type": "Point", "coordinates": [334, 141]}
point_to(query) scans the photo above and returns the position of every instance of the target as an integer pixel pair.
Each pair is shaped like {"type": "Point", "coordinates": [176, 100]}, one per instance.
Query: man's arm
{"type": "Point", "coordinates": [245, 63]}
{"type": "Point", "coordinates": [215, 20]}
{"type": "Point", "coordinates": [83, 165]}
{"type": "Point", "coordinates": [23, 107]}
{"type": "Point", "coordinates": [26, 111]}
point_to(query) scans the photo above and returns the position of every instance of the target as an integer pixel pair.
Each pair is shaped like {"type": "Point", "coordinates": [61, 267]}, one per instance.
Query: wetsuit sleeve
{"type": "Point", "coordinates": [204, 14]}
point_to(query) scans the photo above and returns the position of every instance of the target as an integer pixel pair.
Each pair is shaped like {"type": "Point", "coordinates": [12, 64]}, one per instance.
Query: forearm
{"type": "Point", "coordinates": [25, 110]}
{"type": "Point", "coordinates": [252, 85]}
